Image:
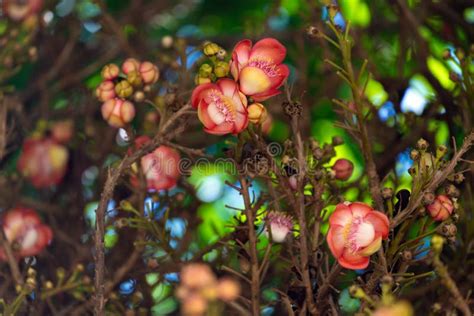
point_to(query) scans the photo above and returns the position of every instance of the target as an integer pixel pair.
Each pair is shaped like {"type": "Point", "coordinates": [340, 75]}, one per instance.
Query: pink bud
{"type": "Point", "coordinates": [293, 180]}
{"type": "Point", "coordinates": [110, 72]}
{"type": "Point", "coordinates": [149, 72]}
{"type": "Point", "coordinates": [131, 64]}
{"type": "Point", "coordinates": [105, 91]}
{"type": "Point", "coordinates": [118, 112]}
{"type": "Point", "coordinates": [62, 131]}
{"type": "Point", "coordinates": [441, 208]}
{"type": "Point", "coordinates": [228, 289]}
{"type": "Point", "coordinates": [343, 169]}
{"type": "Point", "coordinates": [279, 224]}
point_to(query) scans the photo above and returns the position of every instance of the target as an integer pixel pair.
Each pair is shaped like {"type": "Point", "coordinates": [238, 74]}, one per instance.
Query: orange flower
{"type": "Point", "coordinates": [355, 233]}
{"type": "Point", "coordinates": [259, 69]}
{"type": "Point", "coordinates": [222, 108]}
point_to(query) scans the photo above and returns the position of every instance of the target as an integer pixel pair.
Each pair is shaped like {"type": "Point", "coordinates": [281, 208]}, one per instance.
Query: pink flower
{"type": "Point", "coordinates": [118, 112]}
{"type": "Point", "coordinates": [149, 72]}
{"type": "Point", "coordinates": [441, 208]}
{"type": "Point", "coordinates": [160, 167]}
{"type": "Point", "coordinates": [25, 232]}
{"type": "Point", "coordinates": [222, 108]}
{"type": "Point", "coordinates": [279, 225]}
{"type": "Point", "coordinates": [355, 233]}
{"type": "Point", "coordinates": [105, 91]}
{"type": "Point", "coordinates": [43, 162]}
{"type": "Point", "coordinates": [343, 169]}
{"type": "Point", "coordinates": [259, 69]}
{"type": "Point", "coordinates": [21, 9]}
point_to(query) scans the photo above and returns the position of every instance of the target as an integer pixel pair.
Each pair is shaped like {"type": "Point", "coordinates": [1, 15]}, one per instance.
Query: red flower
{"type": "Point", "coordinates": [43, 162]}
{"type": "Point", "coordinates": [441, 208]}
{"type": "Point", "coordinates": [222, 108]}
{"type": "Point", "coordinates": [355, 233]}
{"type": "Point", "coordinates": [160, 167]}
{"type": "Point", "coordinates": [25, 232]}
{"type": "Point", "coordinates": [259, 69]}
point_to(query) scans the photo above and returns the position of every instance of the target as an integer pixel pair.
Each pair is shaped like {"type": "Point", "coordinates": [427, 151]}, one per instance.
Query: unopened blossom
{"type": "Point", "coordinates": [21, 9]}
{"type": "Point", "coordinates": [228, 289]}
{"type": "Point", "coordinates": [355, 233]}
{"type": "Point", "coordinates": [259, 69]}
{"type": "Point", "coordinates": [401, 308]}
{"type": "Point", "coordinates": [62, 131]}
{"type": "Point", "coordinates": [343, 169]}
{"type": "Point", "coordinates": [118, 112]}
{"type": "Point", "coordinates": [130, 64]}
{"type": "Point", "coordinates": [257, 113]}
{"type": "Point", "coordinates": [105, 91]}
{"type": "Point", "coordinates": [43, 162]}
{"type": "Point", "coordinates": [160, 167]}
{"type": "Point", "coordinates": [25, 232]}
{"type": "Point", "coordinates": [278, 225]}
{"type": "Point", "coordinates": [222, 108]}
{"type": "Point", "coordinates": [110, 72]}
{"type": "Point", "coordinates": [441, 208]}
{"type": "Point", "coordinates": [149, 72]}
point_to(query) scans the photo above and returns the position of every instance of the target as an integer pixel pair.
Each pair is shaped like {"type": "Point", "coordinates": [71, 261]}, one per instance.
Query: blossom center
{"type": "Point", "coordinates": [266, 65]}
{"type": "Point", "coordinates": [224, 105]}
{"type": "Point", "coordinates": [358, 234]}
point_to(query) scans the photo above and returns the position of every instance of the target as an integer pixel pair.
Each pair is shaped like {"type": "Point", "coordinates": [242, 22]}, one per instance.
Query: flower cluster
{"type": "Point", "coordinates": [355, 233]}
{"type": "Point", "coordinates": [160, 167]}
{"type": "Point", "coordinates": [199, 287]}
{"type": "Point", "coordinates": [25, 232]}
{"type": "Point", "coordinates": [227, 106]}
{"type": "Point", "coordinates": [120, 86]}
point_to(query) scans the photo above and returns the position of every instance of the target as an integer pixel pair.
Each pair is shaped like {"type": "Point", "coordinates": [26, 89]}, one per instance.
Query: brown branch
{"type": "Point", "coordinates": [110, 184]}
{"type": "Point", "coordinates": [438, 178]}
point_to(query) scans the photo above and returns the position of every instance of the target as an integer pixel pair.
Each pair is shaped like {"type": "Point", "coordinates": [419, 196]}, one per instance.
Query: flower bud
{"type": "Point", "coordinates": [422, 144]}
{"type": "Point", "coordinates": [228, 289]}
{"type": "Point", "coordinates": [201, 80]}
{"type": "Point", "coordinates": [139, 96]}
{"type": "Point", "coordinates": [48, 285]}
{"type": "Point", "coordinates": [343, 169]}
{"type": "Point", "coordinates": [337, 140]}
{"type": "Point", "coordinates": [428, 198]}
{"type": "Point", "coordinates": [210, 49]}
{"type": "Point", "coordinates": [458, 178]}
{"type": "Point", "coordinates": [278, 225]}
{"type": "Point", "coordinates": [441, 151]}
{"type": "Point", "coordinates": [124, 89]}
{"type": "Point", "coordinates": [407, 255]}
{"type": "Point", "coordinates": [205, 70]}
{"type": "Point", "coordinates": [110, 72]}
{"type": "Point", "coordinates": [441, 208]}
{"type": "Point", "coordinates": [313, 32]}
{"type": "Point", "coordinates": [149, 72]}
{"type": "Point", "coordinates": [118, 112]}
{"type": "Point", "coordinates": [221, 54]}
{"type": "Point", "coordinates": [437, 242]}
{"type": "Point", "coordinates": [130, 64]}
{"type": "Point", "coordinates": [105, 91]}
{"type": "Point", "coordinates": [194, 304]}
{"type": "Point", "coordinates": [452, 191]}
{"type": "Point", "coordinates": [415, 154]}
{"type": "Point", "coordinates": [222, 69]}
{"type": "Point", "coordinates": [387, 193]}
{"type": "Point", "coordinates": [257, 113]}
{"type": "Point", "coordinates": [62, 131]}
{"type": "Point", "coordinates": [134, 78]}
{"type": "Point", "coordinates": [401, 308]}
{"type": "Point", "coordinates": [167, 41]}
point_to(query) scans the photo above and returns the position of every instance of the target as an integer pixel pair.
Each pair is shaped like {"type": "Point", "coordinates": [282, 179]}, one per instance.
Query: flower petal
{"type": "Point", "coordinates": [380, 222]}
{"type": "Point", "coordinates": [359, 209]}
{"type": "Point", "coordinates": [269, 48]}
{"type": "Point", "coordinates": [265, 95]}
{"type": "Point", "coordinates": [253, 80]}
{"type": "Point", "coordinates": [203, 115]}
{"type": "Point", "coordinates": [200, 92]}
{"type": "Point", "coordinates": [336, 241]}
{"type": "Point", "coordinates": [353, 261]}
{"type": "Point", "coordinates": [372, 248]}
{"type": "Point", "coordinates": [241, 52]}
{"type": "Point", "coordinates": [215, 114]}
{"type": "Point", "coordinates": [222, 129]}
{"type": "Point", "coordinates": [341, 216]}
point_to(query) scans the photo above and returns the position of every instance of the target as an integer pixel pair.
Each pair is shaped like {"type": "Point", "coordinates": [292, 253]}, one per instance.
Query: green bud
{"type": "Point", "coordinates": [205, 70]}
{"type": "Point", "coordinates": [124, 89]}
{"type": "Point", "coordinates": [210, 49]}
{"type": "Point", "coordinates": [222, 69]}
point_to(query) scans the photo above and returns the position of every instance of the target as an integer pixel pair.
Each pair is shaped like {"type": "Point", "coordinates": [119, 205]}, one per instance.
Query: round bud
{"type": "Point", "coordinates": [167, 41]}
{"type": "Point", "coordinates": [134, 78]}
{"type": "Point", "coordinates": [343, 169]}
{"type": "Point", "coordinates": [222, 69]}
{"type": "Point", "coordinates": [139, 96]}
{"type": "Point", "coordinates": [257, 113]}
{"type": "Point", "coordinates": [149, 72]}
{"type": "Point", "coordinates": [118, 112]}
{"type": "Point", "coordinates": [130, 64]}
{"type": "Point", "coordinates": [124, 89]}
{"type": "Point", "coordinates": [110, 72]}
{"type": "Point", "coordinates": [422, 144]}
{"type": "Point", "coordinates": [105, 91]}
{"type": "Point", "coordinates": [210, 49]}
